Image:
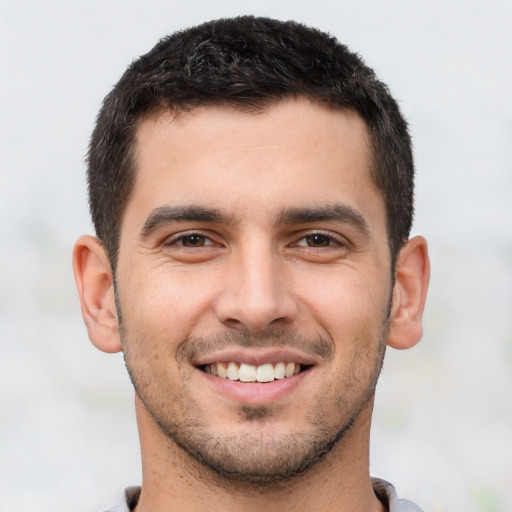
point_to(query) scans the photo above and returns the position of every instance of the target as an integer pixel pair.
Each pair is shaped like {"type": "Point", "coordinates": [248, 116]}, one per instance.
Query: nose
{"type": "Point", "coordinates": [257, 292]}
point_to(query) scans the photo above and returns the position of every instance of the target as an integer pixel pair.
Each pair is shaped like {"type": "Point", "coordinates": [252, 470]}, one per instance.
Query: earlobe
{"type": "Point", "coordinates": [409, 294]}
{"type": "Point", "coordinates": [94, 282]}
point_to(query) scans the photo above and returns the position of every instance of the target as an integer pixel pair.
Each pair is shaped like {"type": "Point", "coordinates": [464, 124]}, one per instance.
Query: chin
{"type": "Point", "coordinates": [259, 458]}
{"type": "Point", "coordinates": [257, 450]}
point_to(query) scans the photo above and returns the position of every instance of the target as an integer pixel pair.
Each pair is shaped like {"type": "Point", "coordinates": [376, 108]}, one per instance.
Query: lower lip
{"type": "Point", "coordinates": [255, 393]}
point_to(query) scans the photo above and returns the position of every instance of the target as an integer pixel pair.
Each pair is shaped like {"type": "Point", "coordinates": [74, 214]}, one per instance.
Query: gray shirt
{"type": "Point", "coordinates": [384, 490]}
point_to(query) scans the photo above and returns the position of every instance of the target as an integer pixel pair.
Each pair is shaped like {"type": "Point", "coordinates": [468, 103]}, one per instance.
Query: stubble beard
{"type": "Point", "coordinates": [255, 456]}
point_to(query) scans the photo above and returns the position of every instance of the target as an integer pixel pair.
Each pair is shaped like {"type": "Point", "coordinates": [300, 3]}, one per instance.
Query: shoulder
{"type": "Point", "coordinates": [128, 500]}
{"type": "Point", "coordinates": [387, 494]}
{"type": "Point", "coordinates": [384, 490]}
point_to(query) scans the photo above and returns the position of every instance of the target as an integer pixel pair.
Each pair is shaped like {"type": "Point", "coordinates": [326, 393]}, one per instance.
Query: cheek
{"type": "Point", "coordinates": [165, 304]}
{"type": "Point", "coordinates": [349, 307]}
{"type": "Point", "coordinates": [345, 296]}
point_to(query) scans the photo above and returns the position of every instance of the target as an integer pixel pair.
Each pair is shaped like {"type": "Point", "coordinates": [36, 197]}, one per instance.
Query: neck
{"type": "Point", "coordinates": [173, 480]}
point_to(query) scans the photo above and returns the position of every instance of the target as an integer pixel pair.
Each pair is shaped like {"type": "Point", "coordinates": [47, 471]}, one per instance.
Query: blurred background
{"type": "Point", "coordinates": [443, 420]}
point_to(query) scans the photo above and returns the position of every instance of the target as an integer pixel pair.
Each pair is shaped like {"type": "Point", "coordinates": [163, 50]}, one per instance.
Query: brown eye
{"type": "Point", "coordinates": [318, 240]}
{"type": "Point", "coordinates": [194, 241]}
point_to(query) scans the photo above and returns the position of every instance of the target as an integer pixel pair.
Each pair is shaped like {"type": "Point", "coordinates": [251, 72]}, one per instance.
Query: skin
{"type": "Point", "coordinates": [254, 238]}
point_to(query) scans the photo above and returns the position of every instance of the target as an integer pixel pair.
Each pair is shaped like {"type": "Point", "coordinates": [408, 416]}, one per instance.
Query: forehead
{"type": "Point", "coordinates": [290, 154]}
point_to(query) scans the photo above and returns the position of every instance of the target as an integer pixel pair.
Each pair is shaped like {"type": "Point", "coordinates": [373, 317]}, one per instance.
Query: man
{"type": "Point", "coordinates": [251, 186]}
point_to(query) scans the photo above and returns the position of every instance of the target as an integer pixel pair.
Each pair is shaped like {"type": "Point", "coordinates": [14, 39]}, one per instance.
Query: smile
{"type": "Point", "coordinates": [252, 373]}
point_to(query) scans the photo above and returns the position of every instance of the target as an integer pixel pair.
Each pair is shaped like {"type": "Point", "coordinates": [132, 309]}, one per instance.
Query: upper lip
{"type": "Point", "coordinates": [257, 357]}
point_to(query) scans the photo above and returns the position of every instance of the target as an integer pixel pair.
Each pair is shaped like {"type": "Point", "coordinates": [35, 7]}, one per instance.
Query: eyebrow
{"type": "Point", "coordinates": [167, 214]}
{"type": "Point", "coordinates": [193, 213]}
{"type": "Point", "coordinates": [337, 213]}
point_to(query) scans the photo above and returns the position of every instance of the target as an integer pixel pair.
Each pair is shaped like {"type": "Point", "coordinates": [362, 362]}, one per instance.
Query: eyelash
{"type": "Point", "coordinates": [329, 238]}
{"type": "Point", "coordinates": [175, 241]}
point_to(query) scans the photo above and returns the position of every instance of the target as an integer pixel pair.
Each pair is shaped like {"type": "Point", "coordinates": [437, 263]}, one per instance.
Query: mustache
{"type": "Point", "coordinates": [192, 347]}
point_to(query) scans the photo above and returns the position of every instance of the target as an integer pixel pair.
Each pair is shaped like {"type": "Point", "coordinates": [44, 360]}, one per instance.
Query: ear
{"type": "Point", "coordinates": [95, 284]}
{"type": "Point", "coordinates": [412, 274]}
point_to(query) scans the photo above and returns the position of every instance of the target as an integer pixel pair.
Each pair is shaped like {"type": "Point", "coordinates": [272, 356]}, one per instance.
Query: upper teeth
{"type": "Point", "coordinates": [251, 373]}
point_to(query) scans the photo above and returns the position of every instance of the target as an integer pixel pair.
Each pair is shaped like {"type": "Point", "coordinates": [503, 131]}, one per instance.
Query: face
{"type": "Point", "coordinates": [254, 284]}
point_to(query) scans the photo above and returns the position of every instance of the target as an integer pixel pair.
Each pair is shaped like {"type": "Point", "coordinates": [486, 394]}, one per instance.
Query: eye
{"type": "Point", "coordinates": [193, 240]}
{"type": "Point", "coordinates": [317, 240]}
{"type": "Point", "coordinates": [189, 240]}
{"type": "Point", "coordinates": [194, 246]}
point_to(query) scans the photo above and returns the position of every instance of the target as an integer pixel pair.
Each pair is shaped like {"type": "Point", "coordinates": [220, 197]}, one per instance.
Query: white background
{"type": "Point", "coordinates": [443, 422]}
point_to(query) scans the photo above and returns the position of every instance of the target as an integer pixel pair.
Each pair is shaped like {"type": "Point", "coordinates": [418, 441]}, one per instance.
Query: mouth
{"type": "Point", "coordinates": [250, 373]}
{"type": "Point", "coordinates": [254, 378]}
